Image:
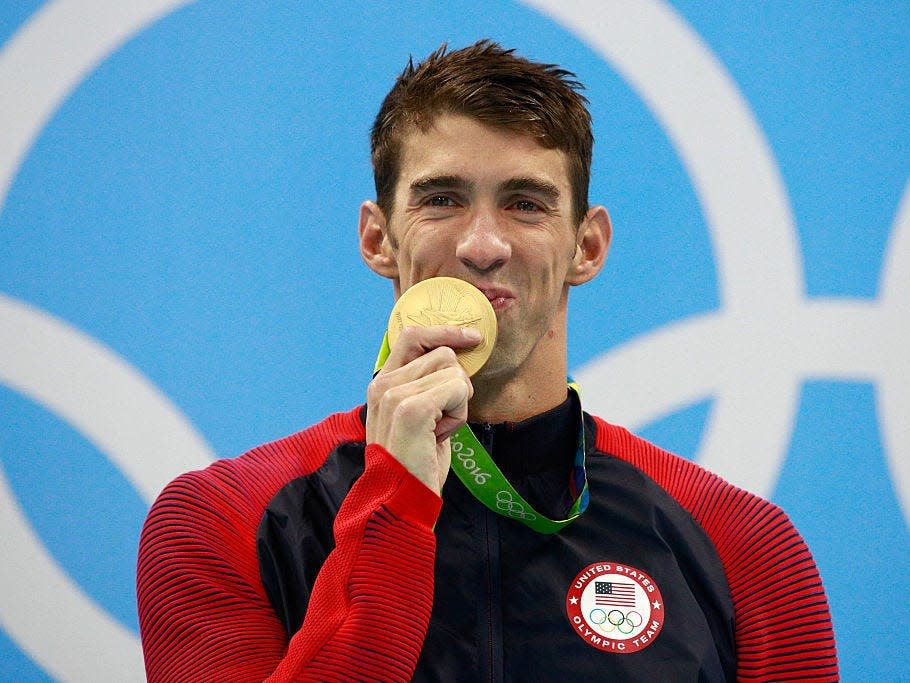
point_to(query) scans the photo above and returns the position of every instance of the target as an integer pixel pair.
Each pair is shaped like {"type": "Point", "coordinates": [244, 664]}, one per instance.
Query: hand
{"type": "Point", "coordinates": [420, 398]}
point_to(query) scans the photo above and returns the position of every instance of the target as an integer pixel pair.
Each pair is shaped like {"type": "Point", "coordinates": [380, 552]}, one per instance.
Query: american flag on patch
{"type": "Point", "coordinates": [614, 594]}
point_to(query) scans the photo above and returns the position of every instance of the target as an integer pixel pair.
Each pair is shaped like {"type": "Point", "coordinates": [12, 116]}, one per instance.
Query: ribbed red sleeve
{"type": "Point", "coordinates": [203, 612]}
{"type": "Point", "coordinates": [783, 626]}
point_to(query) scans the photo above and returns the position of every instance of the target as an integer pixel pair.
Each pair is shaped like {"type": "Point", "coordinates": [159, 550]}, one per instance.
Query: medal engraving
{"type": "Point", "coordinates": [447, 301]}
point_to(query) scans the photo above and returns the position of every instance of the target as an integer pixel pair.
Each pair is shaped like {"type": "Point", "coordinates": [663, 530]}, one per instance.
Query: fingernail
{"type": "Point", "coordinates": [470, 334]}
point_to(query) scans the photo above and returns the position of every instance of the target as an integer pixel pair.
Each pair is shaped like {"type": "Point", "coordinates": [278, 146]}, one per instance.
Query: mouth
{"type": "Point", "coordinates": [499, 297]}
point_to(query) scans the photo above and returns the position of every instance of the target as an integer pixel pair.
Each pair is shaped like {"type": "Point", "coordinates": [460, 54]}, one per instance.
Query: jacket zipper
{"type": "Point", "coordinates": [494, 592]}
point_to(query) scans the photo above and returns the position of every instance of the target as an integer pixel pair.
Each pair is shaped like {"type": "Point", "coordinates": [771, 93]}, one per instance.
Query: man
{"type": "Point", "coordinates": [346, 552]}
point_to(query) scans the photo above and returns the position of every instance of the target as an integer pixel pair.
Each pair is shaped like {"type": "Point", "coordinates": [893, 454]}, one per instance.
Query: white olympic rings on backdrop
{"type": "Point", "coordinates": [751, 355]}
{"type": "Point", "coordinates": [89, 386]}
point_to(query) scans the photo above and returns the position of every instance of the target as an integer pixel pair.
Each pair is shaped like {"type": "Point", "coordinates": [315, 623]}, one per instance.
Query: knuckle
{"type": "Point", "coordinates": [410, 408]}
{"type": "Point", "coordinates": [377, 388]}
{"type": "Point", "coordinates": [389, 399]}
{"type": "Point", "coordinates": [446, 355]}
{"type": "Point", "coordinates": [409, 334]}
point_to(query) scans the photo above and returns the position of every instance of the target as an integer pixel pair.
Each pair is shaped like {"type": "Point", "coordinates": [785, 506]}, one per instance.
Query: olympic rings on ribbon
{"type": "Point", "coordinates": [511, 507]}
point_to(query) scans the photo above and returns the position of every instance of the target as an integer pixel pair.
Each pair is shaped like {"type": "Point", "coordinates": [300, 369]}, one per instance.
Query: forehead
{"type": "Point", "coordinates": [461, 146]}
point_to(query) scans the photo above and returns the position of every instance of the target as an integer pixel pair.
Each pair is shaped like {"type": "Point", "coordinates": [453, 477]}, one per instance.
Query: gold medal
{"type": "Point", "coordinates": [447, 301]}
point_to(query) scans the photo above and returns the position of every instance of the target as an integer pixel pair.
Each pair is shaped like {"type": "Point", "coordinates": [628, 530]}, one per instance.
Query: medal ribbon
{"type": "Point", "coordinates": [482, 477]}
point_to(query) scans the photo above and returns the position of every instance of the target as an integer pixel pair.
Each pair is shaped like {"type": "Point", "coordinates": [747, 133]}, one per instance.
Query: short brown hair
{"type": "Point", "coordinates": [496, 87]}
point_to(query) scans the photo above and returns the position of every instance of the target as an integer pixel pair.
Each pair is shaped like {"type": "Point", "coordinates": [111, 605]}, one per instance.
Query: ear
{"type": "Point", "coordinates": [375, 245]}
{"type": "Point", "coordinates": [591, 246]}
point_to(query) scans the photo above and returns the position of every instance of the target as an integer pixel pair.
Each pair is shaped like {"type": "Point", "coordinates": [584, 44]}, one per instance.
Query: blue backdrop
{"type": "Point", "coordinates": [179, 277]}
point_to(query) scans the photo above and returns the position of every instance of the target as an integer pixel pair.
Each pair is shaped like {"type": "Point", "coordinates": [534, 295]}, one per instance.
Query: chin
{"type": "Point", "coordinates": [501, 365]}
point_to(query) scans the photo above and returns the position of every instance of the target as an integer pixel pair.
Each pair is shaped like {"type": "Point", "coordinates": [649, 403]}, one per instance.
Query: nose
{"type": "Point", "coordinates": [483, 247]}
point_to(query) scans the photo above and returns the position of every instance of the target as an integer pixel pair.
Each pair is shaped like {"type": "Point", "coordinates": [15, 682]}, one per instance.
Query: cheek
{"type": "Point", "coordinates": [414, 266]}
{"type": "Point", "coordinates": [551, 251]}
{"type": "Point", "coordinates": [427, 252]}
{"type": "Point", "coordinates": [545, 275]}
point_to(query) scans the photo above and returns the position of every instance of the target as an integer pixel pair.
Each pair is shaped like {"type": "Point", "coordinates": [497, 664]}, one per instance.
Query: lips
{"type": "Point", "coordinates": [499, 297]}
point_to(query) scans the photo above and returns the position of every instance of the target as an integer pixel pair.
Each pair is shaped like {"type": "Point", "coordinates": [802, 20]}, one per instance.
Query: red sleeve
{"type": "Point", "coordinates": [783, 625]}
{"type": "Point", "coordinates": [204, 614]}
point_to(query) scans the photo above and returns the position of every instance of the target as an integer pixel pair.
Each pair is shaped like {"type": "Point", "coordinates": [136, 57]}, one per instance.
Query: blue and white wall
{"type": "Point", "coordinates": [179, 277]}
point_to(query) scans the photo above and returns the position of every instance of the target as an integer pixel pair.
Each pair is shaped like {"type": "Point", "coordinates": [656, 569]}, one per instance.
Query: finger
{"type": "Point", "coordinates": [410, 436]}
{"type": "Point", "coordinates": [422, 390]}
{"type": "Point", "coordinates": [447, 426]}
{"type": "Point", "coordinates": [438, 359]}
{"type": "Point", "coordinates": [415, 341]}
{"type": "Point", "coordinates": [444, 400]}
{"type": "Point", "coordinates": [415, 408]}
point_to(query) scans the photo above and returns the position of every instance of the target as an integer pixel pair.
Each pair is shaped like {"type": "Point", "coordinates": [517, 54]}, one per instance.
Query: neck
{"type": "Point", "coordinates": [535, 387]}
{"type": "Point", "coordinates": [510, 403]}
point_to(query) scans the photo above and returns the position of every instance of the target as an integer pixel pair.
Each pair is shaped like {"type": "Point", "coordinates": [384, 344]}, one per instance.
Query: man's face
{"type": "Point", "coordinates": [492, 208]}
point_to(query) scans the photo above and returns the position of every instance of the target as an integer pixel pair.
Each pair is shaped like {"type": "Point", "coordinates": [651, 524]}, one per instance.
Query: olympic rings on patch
{"type": "Point", "coordinates": [615, 620]}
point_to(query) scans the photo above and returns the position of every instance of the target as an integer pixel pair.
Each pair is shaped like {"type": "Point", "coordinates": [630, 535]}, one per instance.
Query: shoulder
{"type": "Point", "coordinates": [238, 489]}
{"type": "Point", "coordinates": [721, 508]}
{"type": "Point", "coordinates": [770, 571]}
{"type": "Point", "coordinates": [751, 534]}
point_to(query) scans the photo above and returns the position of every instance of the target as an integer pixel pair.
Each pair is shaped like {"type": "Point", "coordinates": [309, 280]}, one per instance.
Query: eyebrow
{"type": "Point", "coordinates": [541, 188]}
{"type": "Point", "coordinates": [441, 182]}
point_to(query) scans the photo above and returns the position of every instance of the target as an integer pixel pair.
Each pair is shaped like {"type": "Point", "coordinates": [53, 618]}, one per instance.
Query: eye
{"type": "Point", "coordinates": [526, 205]}
{"type": "Point", "coordinates": [441, 200]}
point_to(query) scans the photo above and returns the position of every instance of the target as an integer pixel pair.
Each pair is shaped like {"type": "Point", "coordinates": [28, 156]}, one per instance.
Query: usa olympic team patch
{"type": "Point", "coordinates": [615, 607]}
